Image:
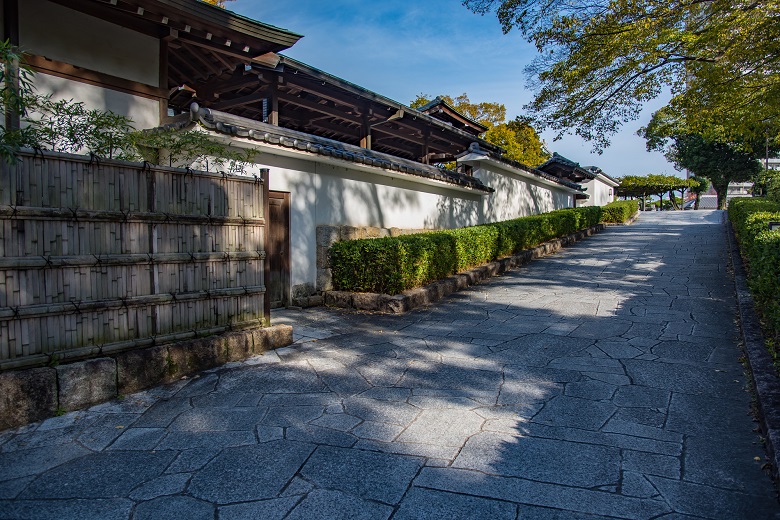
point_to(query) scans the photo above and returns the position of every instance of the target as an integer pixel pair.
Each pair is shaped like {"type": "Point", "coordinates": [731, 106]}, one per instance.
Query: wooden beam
{"type": "Point", "coordinates": [273, 100]}
{"type": "Point", "coordinates": [163, 75]}
{"type": "Point", "coordinates": [317, 107]}
{"type": "Point", "coordinates": [239, 80]}
{"type": "Point", "coordinates": [197, 54]}
{"type": "Point", "coordinates": [91, 77]}
{"type": "Point", "coordinates": [216, 47]}
{"type": "Point", "coordinates": [239, 101]}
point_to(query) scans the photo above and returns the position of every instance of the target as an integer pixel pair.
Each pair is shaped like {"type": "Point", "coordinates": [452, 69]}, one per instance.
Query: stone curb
{"type": "Point", "coordinates": [766, 382]}
{"type": "Point", "coordinates": [33, 394]}
{"type": "Point", "coordinates": [408, 300]}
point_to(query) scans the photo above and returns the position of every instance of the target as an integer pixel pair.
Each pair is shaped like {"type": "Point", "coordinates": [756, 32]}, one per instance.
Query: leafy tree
{"type": "Point", "coordinates": [697, 189]}
{"type": "Point", "coordinates": [517, 137]}
{"type": "Point", "coordinates": [718, 162]}
{"type": "Point", "coordinates": [599, 62]}
{"type": "Point", "coordinates": [659, 185]}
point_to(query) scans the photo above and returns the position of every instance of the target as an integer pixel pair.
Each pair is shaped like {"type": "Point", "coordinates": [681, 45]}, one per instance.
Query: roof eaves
{"type": "Point", "coordinates": [236, 126]}
{"type": "Point", "coordinates": [520, 166]}
{"type": "Point", "coordinates": [234, 21]}
{"type": "Point", "coordinates": [360, 91]}
{"type": "Point", "coordinates": [439, 101]}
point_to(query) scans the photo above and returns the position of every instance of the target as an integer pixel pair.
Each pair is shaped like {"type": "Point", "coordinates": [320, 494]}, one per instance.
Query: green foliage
{"type": "Point", "coordinates": [517, 137]}
{"type": "Point", "coordinates": [642, 186]}
{"type": "Point", "coordinates": [619, 211]}
{"type": "Point", "coordinates": [68, 126]}
{"type": "Point", "coordinates": [767, 184]}
{"type": "Point", "coordinates": [761, 249]}
{"type": "Point", "coordinates": [600, 62]}
{"type": "Point", "coordinates": [189, 148]}
{"type": "Point", "coordinates": [16, 91]}
{"type": "Point", "coordinates": [393, 265]}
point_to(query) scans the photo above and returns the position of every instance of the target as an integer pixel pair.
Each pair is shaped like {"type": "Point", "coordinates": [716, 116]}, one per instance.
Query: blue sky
{"type": "Point", "coordinates": [401, 48]}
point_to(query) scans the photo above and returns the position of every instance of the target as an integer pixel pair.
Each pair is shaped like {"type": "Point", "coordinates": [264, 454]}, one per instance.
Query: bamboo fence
{"type": "Point", "coordinates": [102, 256]}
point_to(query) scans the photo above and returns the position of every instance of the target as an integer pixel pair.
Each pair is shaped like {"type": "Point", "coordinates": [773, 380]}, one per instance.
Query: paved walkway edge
{"type": "Point", "coordinates": [766, 383]}
{"type": "Point", "coordinates": [408, 300]}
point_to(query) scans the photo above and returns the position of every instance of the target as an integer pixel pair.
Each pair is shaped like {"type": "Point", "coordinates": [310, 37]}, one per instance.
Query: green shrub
{"type": "Point", "coordinates": [393, 265]}
{"type": "Point", "coordinates": [619, 211]}
{"type": "Point", "coordinates": [761, 250]}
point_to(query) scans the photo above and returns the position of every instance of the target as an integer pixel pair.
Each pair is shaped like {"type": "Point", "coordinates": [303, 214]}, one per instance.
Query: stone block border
{"type": "Point", "coordinates": [766, 383]}
{"type": "Point", "coordinates": [37, 393]}
{"type": "Point", "coordinates": [408, 300]}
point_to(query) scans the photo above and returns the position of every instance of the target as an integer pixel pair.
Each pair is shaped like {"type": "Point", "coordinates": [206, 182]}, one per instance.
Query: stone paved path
{"type": "Point", "coordinates": [603, 382]}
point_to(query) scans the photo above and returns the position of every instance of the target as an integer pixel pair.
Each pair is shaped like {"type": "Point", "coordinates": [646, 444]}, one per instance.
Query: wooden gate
{"type": "Point", "coordinates": [278, 248]}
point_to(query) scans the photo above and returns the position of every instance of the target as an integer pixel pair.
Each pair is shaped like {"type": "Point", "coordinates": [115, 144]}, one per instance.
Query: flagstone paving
{"type": "Point", "coordinates": [602, 382]}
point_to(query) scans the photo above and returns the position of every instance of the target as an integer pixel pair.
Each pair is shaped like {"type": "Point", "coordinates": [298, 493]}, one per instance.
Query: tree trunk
{"type": "Point", "coordinates": [698, 200]}
{"type": "Point", "coordinates": [721, 190]}
{"type": "Point", "coordinates": [673, 200]}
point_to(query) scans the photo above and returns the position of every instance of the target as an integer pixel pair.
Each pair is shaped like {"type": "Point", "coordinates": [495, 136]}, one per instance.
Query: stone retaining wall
{"type": "Point", "coordinates": [408, 300]}
{"type": "Point", "coordinates": [37, 393]}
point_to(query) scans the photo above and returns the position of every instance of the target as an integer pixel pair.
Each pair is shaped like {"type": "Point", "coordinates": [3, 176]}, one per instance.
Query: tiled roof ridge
{"type": "Point", "coordinates": [526, 168]}
{"type": "Point", "coordinates": [438, 100]}
{"type": "Point", "coordinates": [556, 157]}
{"type": "Point", "coordinates": [237, 126]}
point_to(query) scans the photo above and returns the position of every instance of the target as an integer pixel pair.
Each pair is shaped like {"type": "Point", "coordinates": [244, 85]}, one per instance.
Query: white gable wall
{"type": "Point", "coordinates": [601, 193]}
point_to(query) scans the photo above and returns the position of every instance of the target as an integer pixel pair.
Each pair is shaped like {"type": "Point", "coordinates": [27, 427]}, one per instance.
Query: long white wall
{"type": "Point", "coordinates": [58, 33]}
{"type": "Point", "coordinates": [330, 194]}
{"type": "Point", "coordinates": [517, 193]}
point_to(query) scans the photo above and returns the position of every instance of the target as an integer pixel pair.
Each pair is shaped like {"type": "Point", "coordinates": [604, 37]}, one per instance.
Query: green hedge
{"type": "Point", "coordinates": [393, 265]}
{"type": "Point", "coordinates": [619, 211]}
{"type": "Point", "coordinates": [761, 249]}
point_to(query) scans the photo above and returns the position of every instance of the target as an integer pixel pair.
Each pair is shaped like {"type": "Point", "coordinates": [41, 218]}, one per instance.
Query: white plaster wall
{"type": "Point", "coordinates": [329, 194]}
{"type": "Point", "coordinates": [517, 196]}
{"type": "Point", "coordinates": [144, 112]}
{"type": "Point", "coordinates": [62, 34]}
{"type": "Point", "coordinates": [599, 193]}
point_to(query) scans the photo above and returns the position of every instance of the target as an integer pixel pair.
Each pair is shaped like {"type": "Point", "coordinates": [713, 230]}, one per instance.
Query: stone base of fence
{"type": "Point", "coordinates": [33, 394]}
{"type": "Point", "coordinates": [408, 300]}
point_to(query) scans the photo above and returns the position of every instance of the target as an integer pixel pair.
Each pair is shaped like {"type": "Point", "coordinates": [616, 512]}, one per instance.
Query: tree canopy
{"type": "Point", "coordinates": [218, 3]}
{"type": "Point", "coordinates": [643, 186]}
{"type": "Point", "coordinates": [601, 60]}
{"type": "Point", "coordinates": [706, 154]}
{"type": "Point", "coordinates": [517, 136]}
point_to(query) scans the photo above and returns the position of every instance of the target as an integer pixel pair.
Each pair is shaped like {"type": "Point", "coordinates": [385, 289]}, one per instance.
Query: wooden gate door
{"type": "Point", "coordinates": [278, 249]}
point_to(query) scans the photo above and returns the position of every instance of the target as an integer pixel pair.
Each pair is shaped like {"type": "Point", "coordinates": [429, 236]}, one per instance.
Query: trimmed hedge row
{"type": "Point", "coordinates": [761, 248]}
{"type": "Point", "coordinates": [619, 211]}
{"type": "Point", "coordinates": [393, 265]}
